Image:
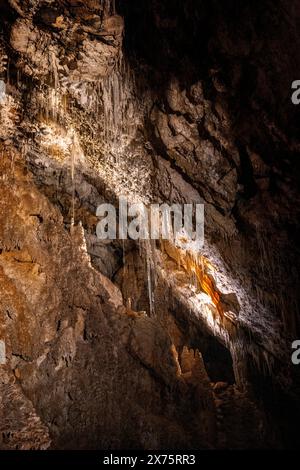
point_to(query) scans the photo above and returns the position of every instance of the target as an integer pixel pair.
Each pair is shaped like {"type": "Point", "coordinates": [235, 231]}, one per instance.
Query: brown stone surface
{"type": "Point", "coordinates": [161, 101]}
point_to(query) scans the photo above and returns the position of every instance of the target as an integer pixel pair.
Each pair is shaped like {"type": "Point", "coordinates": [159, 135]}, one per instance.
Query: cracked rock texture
{"type": "Point", "coordinates": [141, 345]}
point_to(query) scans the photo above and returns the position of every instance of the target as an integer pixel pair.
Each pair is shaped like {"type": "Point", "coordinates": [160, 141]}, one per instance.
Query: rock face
{"type": "Point", "coordinates": [142, 345]}
{"type": "Point", "coordinates": [66, 329]}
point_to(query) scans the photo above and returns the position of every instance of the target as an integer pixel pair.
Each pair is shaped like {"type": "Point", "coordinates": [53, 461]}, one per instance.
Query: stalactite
{"type": "Point", "coordinates": [148, 252]}
{"type": "Point", "coordinates": [118, 102]}
{"type": "Point", "coordinates": [73, 164]}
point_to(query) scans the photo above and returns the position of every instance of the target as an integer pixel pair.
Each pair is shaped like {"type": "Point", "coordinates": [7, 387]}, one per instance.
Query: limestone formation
{"type": "Point", "coordinates": [139, 344]}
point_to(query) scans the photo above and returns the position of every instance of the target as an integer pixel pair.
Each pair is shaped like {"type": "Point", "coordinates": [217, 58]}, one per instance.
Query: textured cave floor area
{"type": "Point", "coordinates": [123, 344]}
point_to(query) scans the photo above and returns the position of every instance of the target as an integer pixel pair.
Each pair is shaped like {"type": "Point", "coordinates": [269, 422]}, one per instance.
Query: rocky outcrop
{"type": "Point", "coordinates": [21, 427]}
{"type": "Point", "coordinates": [82, 342]}
{"type": "Point", "coordinates": [144, 345]}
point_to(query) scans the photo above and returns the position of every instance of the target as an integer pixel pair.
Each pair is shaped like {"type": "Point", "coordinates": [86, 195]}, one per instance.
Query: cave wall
{"type": "Point", "coordinates": [162, 102]}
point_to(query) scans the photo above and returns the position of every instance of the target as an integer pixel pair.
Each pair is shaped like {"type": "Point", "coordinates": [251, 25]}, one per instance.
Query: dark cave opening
{"type": "Point", "coordinates": [218, 362]}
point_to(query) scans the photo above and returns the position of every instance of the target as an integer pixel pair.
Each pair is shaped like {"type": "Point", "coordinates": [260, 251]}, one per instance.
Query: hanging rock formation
{"type": "Point", "coordinates": [142, 345]}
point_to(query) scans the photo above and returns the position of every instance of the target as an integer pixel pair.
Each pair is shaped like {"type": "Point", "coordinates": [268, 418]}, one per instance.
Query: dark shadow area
{"type": "Point", "coordinates": [218, 362]}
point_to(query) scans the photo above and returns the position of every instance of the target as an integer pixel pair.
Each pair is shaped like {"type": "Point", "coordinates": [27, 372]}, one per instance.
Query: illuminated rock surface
{"type": "Point", "coordinates": [159, 101]}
